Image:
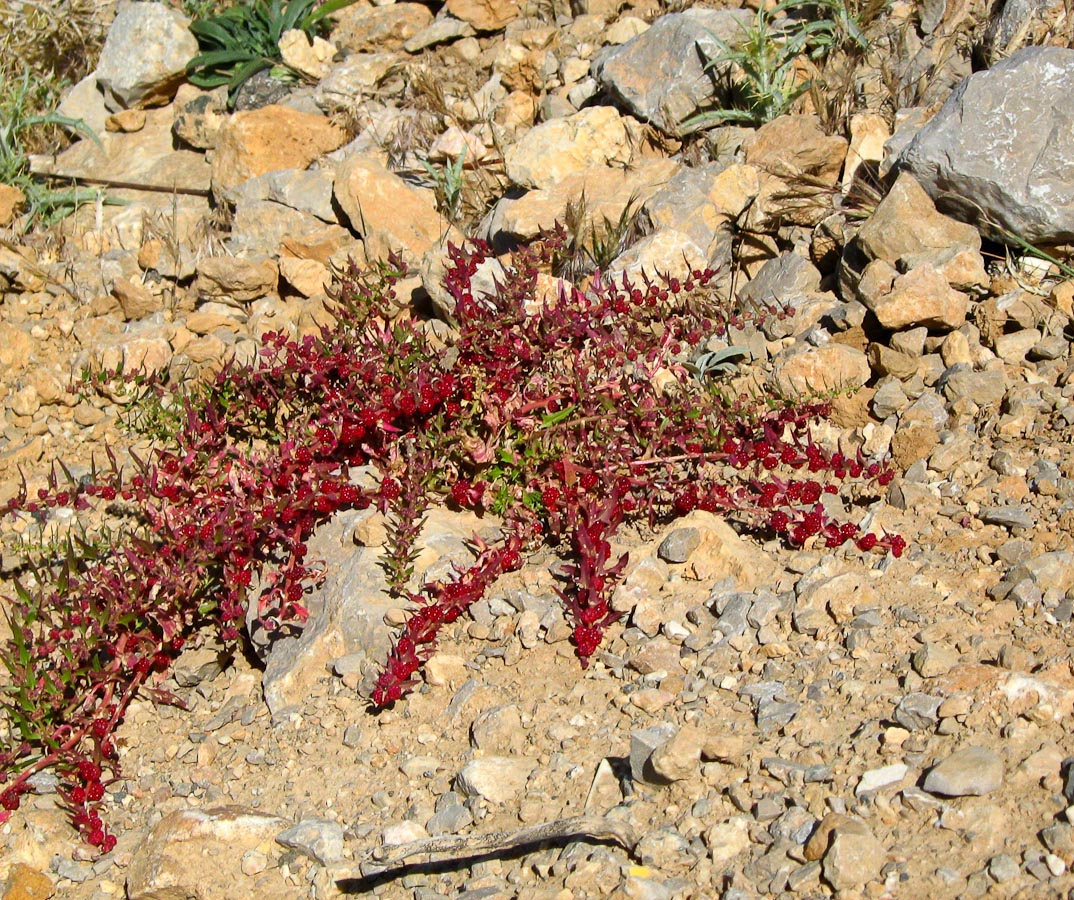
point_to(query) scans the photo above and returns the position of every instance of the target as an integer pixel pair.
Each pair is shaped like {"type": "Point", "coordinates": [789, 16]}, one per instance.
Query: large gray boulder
{"type": "Point", "coordinates": [660, 76]}
{"type": "Point", "coordinates": [144, 58]}
{"type": "Point", "coordinates": [1000, 152]}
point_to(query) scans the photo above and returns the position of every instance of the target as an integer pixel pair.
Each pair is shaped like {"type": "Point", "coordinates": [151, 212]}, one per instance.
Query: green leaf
{"type": "Point", "coordinates": [325, 9]}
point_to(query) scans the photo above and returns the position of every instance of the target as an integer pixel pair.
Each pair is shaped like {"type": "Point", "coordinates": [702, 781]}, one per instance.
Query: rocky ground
{"type": "Point", "coordinates": [767, 722]}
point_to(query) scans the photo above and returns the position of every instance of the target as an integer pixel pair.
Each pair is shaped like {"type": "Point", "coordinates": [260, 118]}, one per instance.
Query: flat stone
{"type": "Point", "coordinates": [970, 772]}
{"type": "Point", "coordinates": [877, 779]}
{"type": "Point", "coordinates": [498, 779]}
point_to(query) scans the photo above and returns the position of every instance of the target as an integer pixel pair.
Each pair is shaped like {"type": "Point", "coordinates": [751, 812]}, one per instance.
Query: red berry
{"type": "Point", "coordinates": [95, 791]}
{"type": "Point", "coordinates": [89, 771]}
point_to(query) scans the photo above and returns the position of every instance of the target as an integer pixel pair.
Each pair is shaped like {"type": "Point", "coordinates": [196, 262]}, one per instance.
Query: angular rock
{"type": "Point", "coordinates": [782, 280]}
{"type": "Point", "coordinates": [372, 29]}
{"type": "Point", "coordinates": [659, 75]}
{"type": "Point", "coordinates": [234, 280]}
{"type": "Point", "coordinates": [920, 297]}
{"type": "Point", "coordinates": [320, 839]}
{"type": "Point", "coordinates": [703, 203]}
{"type": "Point", "coordinates": [484, 15]}
{"type": "Point", "coordinates": [723, 553]}
{"type": "Point", "coordinates": [311, 58]}
{"type": "Point", "coordinates": [498, 779]}
{"type": "Point", "coordinates": [12, 201]}
{"type": "Point", "coordinates": [273, 137]}
{"type": "Point", "coordinates": [198, 853]}
{"type": "Point", "coordinates": [355, 77]}
{"type": "Point", "coordinates": [970, 772]}
{"type": "Point", "coordinates": [389, 214]}
{"type": "Point", "coordinates": [144, 57]}
{"type": "Point", "coordinates": [606, 191]}
{"type": "Point", "coordinates": [728, 839]}
{"type": "Point", "coordinates": [906, 222]}
{"type": "Point", "coordinates": [347, 610]}
{"type": "Point", "coordinates": [854, 856]}
{"type": "Point", "coordinates": [308, 191]}
{"type": "Point", "coordinates": [786, 150]}
{"type": "Point", "coordinates": [806, 370]}
{"type": "Point", "coordinates": [668, 253]}
{"type": "Point", "coordinates": [679, 758]}
{"type": "Point", "coordinates": [597, 136]}
{"type": "Point", "coordinates": [999, 152]}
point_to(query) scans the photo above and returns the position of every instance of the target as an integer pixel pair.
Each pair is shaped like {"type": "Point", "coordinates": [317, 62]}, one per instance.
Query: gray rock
{"type": "Point", "coordinates": [452, 819]}
{"type": "Point", "coordinates": [918, 711]}
{"type": "Point", "coordinates": [1000, 150]}
{"type": "Point", "coordinates": [1049, 571]}
{"type": "Point", "coordinates": [677, 546]}
{"type": "Point", "coordinates": [781, 279]}
{"type": "Point", "coordinates": [144, 57]}
{"type": "Point", "coordinates": [1009, 516]}
{"type": "Point", "coordinates": [659, 75]}
{"type": "Point", "coordinates": [347, 610]}
{"type": "Point", "coordinates": [1003, 868]}
{"type": "Point", "coordinates": [983, 388]}
{"type": "Point", "coordinates": [643, 742]}
{"type": "Point", "coordinates": [1020, 23]}
{"type": "Point", "coordinates": [970, 772]}
{"type": "Point", "coordinates": [320, 839]}
{"type": "Point", "coordinates": [308, 191]}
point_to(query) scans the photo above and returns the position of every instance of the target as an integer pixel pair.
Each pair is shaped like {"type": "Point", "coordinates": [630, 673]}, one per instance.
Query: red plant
{"type": "Point", "coordinates": [567, 420]}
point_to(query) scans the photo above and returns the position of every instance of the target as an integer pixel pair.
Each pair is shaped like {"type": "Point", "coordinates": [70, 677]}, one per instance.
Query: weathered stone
{"type": "Point", "coordinates": [498, 779]}
{"type": "Point", "coordinates": [310, 57]}
{"type": "Point", "coordinates": [484, 15]}
{"type": "Point", "coordinates": [144, 57]}
{"type": "Point", "coordinates": [806, 370]}
{"type": "Point", "coordinates": [679, 757]}
{"type": "Point", "coordinates": [273, 137]}
{"type": "Point", "coordinates": [320, 839]}
{"type": "Point", "coordinates": [703, 203]}
{"type": "Point", "coordinates": [198, 853]}
{"type": "Point", "coordinates": [135, 300]}
{"type": "Point", "coordinates": [970, 772]}
{"type": "Point", "coordinates": [785, 150]}
{"type": "Point", "coordinates": [659, 75]}
{"type": "Point", "coordinates": [388, 213]}
{"type": "Point", "coordinates": [728, 839]}
{"type": "Point", "coordinates": [351, 79]}
{"type": "Point", "coordinates": [235, 280]}
{"type": "Point", "coordinates": [12, 201]}
{"type": "Point", "coordinates": [998, 153]}
{"type": "Point", "coordinates": [308, 191]}
{"type": "Point", "coordinates": [840, 595]}
{"type": "Point", "coordinates": [920, 297]}
{"type": "Point", "coordinates": [668, 253]}
{"type": "Point", "coordinates": [347, 610]}
{"type": "Point", "coordinates": [605, 191]}
{"type": "Point", "coordinates": [597, 136]}
{"type": "Point", "coordinates": [27, 883]}
{"type": "Point", "coordinates": [854, 856]}
{"type": "Point", "coordinates": [722, 553]}
{"type": "Point", "coordinates": [906, 222]}
{"type": "Point", "coordinates": [375, 29]}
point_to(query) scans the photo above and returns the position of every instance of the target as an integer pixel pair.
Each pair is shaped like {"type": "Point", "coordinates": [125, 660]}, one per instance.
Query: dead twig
{"type": "Point", "coordinates": [596, 828]}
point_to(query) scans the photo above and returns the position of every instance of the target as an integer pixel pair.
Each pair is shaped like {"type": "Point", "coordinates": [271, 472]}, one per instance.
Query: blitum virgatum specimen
{"type": "Point", "coordinates": [565, 412]}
